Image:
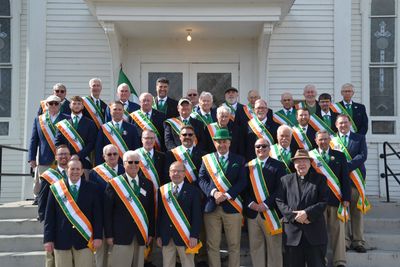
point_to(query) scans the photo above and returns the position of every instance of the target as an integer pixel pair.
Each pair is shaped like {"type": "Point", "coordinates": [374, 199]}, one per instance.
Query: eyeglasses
{"type": "Point", "coordinates": [59, 91]}
{"type": "Point", "coordinates": [261, 146]}
{"type": "Point", "coordinates": [130, 162]}
{"type": "Point", "coordinates": [53, 103]}
{"type": "Point", "coordinates": [192, 95]}
{"type": "Point", "coordinates": [112, 154]}
{"type": "Point", "coordinates": [187, 134]}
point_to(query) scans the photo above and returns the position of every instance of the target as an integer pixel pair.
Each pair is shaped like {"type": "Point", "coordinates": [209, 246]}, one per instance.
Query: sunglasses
{"type": "Point", "coordinates": [261, 146]}
{"type": "Point", "coordinates": [192, 94]}
{"type": "Point", "coordinates": [53, 103]}
{"type": "Point", "coordinates": [112, 154]}
{"type": "Point", "coordinates": [59, 91]}
{"type": "Point", "coordinates": [187, 134]}
{"type": "Point", "coordinates": [130, 162]}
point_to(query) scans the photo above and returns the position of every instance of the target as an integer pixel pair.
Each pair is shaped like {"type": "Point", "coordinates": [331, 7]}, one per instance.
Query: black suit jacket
{"type": "Point", "coordinates": [235, 173]}
{"type": "Point", "coordinates": [237, 146]}
{"type": "Point", "coordinates": [118, 223]}
{"type": "Point", "coordinates": [189, 200]}
{"type": "Point", "coordinates": [58, 229]}
{"type": "Point", "coordinates": [333, 119]}
{"type": "Point", "coordinates": [313, 200]}
{"type": "Point", "coordinates": [359, 117]}
{"type": "Point", "coordinates": [172, 138]}
{"type": "Point", "coordinates": [172, 107]}
{"type": "Point", "coordinates": [311, 136]}
{"type": "Point", "coordinates": [159, 164]}
{"type": "Point", "coordinates": [273, 170]}
{"type": "Point", "coordinates": [103, 107]}
{"type": "Point", "coordinates": [95, 178]}
{"type": "Point", "coordinates": [357, 148]}
{"type": "Point", "coordinates": [338, 165]}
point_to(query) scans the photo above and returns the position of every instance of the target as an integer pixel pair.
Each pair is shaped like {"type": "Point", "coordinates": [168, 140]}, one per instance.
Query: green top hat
{"type": "Point", "coordinates": [222, 134]}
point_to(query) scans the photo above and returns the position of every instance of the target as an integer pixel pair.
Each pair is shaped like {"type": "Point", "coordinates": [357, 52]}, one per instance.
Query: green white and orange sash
{"type": "Point", "coordinates": [43, 105]}
{"type": "Point", "coordinates": [132, 204]}
{"type": "Point", "coordinates": [272, 222]}
{"type": "Point", "coordinates": [146, 164]}
{"type": "Point", "coordinates": [275, 153]}
{"type": "Point", "coordinates": [49, 130]}
{"type": "Point", "coordinates": [71, 135]}
{"type": "Point", "coordinates": [322, 167]}
{"type": "Point", "coordinates": [51, 176]}
{"type": "Point", "coordinates": [176, 125]}
{"type": "Point", "coordinates": [222, 183]}
{"type": "Point", "coordinates": [105, 172]}
{"type": "Point", "coordinates": [260, 130]}
{"type": "Point", "coordinates": [197, 116]}
{"type": "Point", "coordinates": [145, 123]}
{"type": "Point", "coordinates": [232, 109]}
{"type": "Point", "coordinates": [126, 116]}
{"type": "Point", "coordinates": [248, 111]}
{"type": "Point", "coordinates": [115, 137]}
{"type": "Point", "coordinates": [339, 108]}
{"type": "Point", "coordinates": [356, 176]}
{"type": "Point", "coordinates": [318, 124]}
{"type": "Point", "coordinates": [281, 118]}
{"type": "Point", "coordinates": [301, 104]}
{"type": "Point", "coordinates": [212, 128]}
{"type": "Point", "coordinates": [178, 217]}
{"type": "Point", "coordinates": [301, 138]}
{"type": "Point", "coordinates": [94, 111]}
{"type": "Point", "coordinates": [181, 155]}
{"type": "Point", "coordinates": [71, 210]}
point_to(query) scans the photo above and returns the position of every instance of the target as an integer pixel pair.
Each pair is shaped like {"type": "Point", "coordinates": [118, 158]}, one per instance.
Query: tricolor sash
{"type": "Point", "coordinates": [71, 210]}
{"type": "Point", "coordinates": [48, 130]}
{"type": "Point", "coordinates": [275, 153]}
{"type": "Point", "coordinates": [132, 204]}
{"type": "Point", "coordinates": [115, 137]}
{"type": "Point", "coordinates": [197, 116]}
{"type": "Point", "coordinates": [272, 222]}
{"type": "Point", "coordinates": [248, 111]}
{"type": "Point", "coordinates": [146, 164]}
{"type": "Point", "coordinates": [318, 124]}
{"type": "Point", "coordinates": [281, 118]}
{"type": "Point", "coordinates": [145, 123]}
{"type": "Point", "coordinates": [126, 116]}
{"type": "Point", "coordinates": [362, 204]}
{"type": "Point", "coordinates": [260, 130]}
{"type": "Point", "coordinates": [222, 183]}
{"type": "Point", "coordinates": [212, 128]}
{"type": "Point", "coordinates": [299, 105]}
{"type": "Point", "coordinates": [71, 135]}
{"type": "Point", "coordinates": [322, 167]}
{"type": "Point", "coordinates": [51, 176]}
{"type": "Point", "coordinates": [181, 155]}
{"type": "Point", "coordinates": [176, 125]}
{"type": "Point", "coordinates": [233, 111]}
{"type": "Point", "coordinates": [301, 138]}
{"type": "Point", "coordinates": [43, 105]}
{"type": "Point", "coordinates": [339, 108]}
{"type": "Point", "coordinates": [178, 217]}
{"type": "Point", "coordinates": [105, 172]}
{"type": "Point", "coordinates": [94, 111]}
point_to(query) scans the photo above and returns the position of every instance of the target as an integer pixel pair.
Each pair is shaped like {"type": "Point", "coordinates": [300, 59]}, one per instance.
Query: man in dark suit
{"type": "Point", "coordinates": [303, 133]}
{"type": "Point", "coordinates": [355, 110]}
{"type": "Point", "coordinates": [302, 202]}
{"type": "Point", "coordinates": [71, 247]}
{"type": "Point", "coordinates": [310, 102]}
{"type": "Point", "coordinates": [237, 114]}
{"type": "Point", "coordinates": [222, 179]}
{"type": "Point", "coordinates": [112, 130]}
{"type": "Point", "coordinates": [172, 126]}
{"type": "Point", "coordinates": [356, 147]}
{"type": "Point", "coordinates": [259, 125]}
{"type": "Point", "coordinates": [205, 111]}
{"type": "Point", "coordinates": [287, 115]}
{"type": "Point", "coordinates": [326, 160]}
{"type": "Point", "coordinates": [125, 224]}
{"type": "Point", "coordinates": [188, 201]}
{"type": "Point", "coordinates": [148, 118]}
{"type": "Point", "coordinates": [162, 102]}
{"type": "Point", "coordinates": [265, 243]}
{"type": "Point", "coordinates": [86, 133]}
{"type": "Point", "coordinates": [123, 94]}
{"type": "Point", "coordinates": [60, 91]}
{"type": "Point", "coordinates": [324, 113]}
{"type": "Point", "coordinates": [285, 148]}
{"type": "Point", "coordinates": [95, 108]}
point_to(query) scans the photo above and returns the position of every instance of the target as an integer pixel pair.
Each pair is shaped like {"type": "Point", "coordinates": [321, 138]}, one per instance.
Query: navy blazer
{"type": "Point", "coordinates": [94, 177]}
{"type": "Point", "coordinates": [172, 107]}
{"type": "Point", "coordinates": [129, 135]}
{"type": "Point", "coordinates": [357, 148]}
{"type": "Point", "coordinates": [359, 117]}
{"type": "Point", "coordinates": [159, 164]}
{"type": "Point", "coordinates": [46, 155]}
{"type": "Point", "coordinates": [88, 132]}
{"type": "Point", "coordinates": [157, 118]}
{"type": "Point", "coordinates": [118, 222]}
{"type": "Point", "coordinates": [311, 136]}
{"type": "Point", "coordinates": [189, 200]}
{"type": "Point", "coordinates": [213, 113]}
{"type": "Point", "coordinates": [63, 109]}
{"type": "Point", "coordinates": [57, 227]}
{"type": "Point", "coordinates": [235, 174]}
{"type": "Point", "coordinates": [333, 119]}
{"type": "Point", "coordinates": [103, 107]}
{"type": "Point", "coordinates": [237, 146]}
{"type": "Point", "coordinates": [172, 138]}
{"type": "Point", "coordinates": [132, 106]}
{"type": "Point", "coordinates": [273, 170]}
{"type": "Point", "coordinates": [313, 200]}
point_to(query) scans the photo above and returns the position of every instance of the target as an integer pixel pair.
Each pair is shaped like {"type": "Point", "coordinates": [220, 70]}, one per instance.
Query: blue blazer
{"type": "Point", "coordinates": [157, 118]}
{"type": "Point", "coordinates": [172, 107]}
{"type": "Point", "coordinates": [236, 174]}
{"type": "Point", "coordinates": [360, 117]}
{"type": "Point", "coordinates": [358, 150]}
{"type": "Point", "coordinates": [338, 165]}
{"type": "Point", "coordinates": [333, 119]}
{"type": "Point", "coordinates": [189, 200]}
{"type": "Point", "coordinates": [46, 155]}
{"type": "Point", "coordinates": [213, 113]}
{"type": "Point", "coordinates": [95, 178]}
{"type": "Point", "coordinates": [57, 227]}
{"type": "Point", "coordinates": [103, 107]}
{"type": "Point", "coordinates": [251, 138]}
{"type": "Point", "coordinates": [172, 138]}
{"type": "Point", "coordinates": [129, 135]}
{"type": "Point", "coordinates": [132, 106]}
{"type": "Point", "coordinates": [88, 131]}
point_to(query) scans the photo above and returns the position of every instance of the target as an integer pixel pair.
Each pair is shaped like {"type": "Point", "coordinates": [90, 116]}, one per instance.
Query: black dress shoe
{"type": "Point", "coordinates": [360, 249]}
{"type": "Point", "coordinates": [35, 202]}
{"type": "Point", "coordinates": [340, 265]}
{"type": "Point", "coordinates": [149, 264]}
{"type": "Point", "coordinates": [202, 264]}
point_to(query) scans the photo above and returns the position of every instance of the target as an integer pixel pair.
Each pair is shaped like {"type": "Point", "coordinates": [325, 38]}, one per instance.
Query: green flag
{"type": "Point", "coordinates": [122, 78]}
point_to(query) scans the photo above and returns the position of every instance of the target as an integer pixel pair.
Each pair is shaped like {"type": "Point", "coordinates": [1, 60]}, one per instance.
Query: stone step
{"type": "Point", "coordinates": [383, 241]}
{"type": "Point", "coordinates": [14, 259]}
{"type": "Point", "coordinates": [382, 225]}
{"type": "Point", "coordinates": [373, 258]}
{"type": "Point", "coordinates": [18, 210]}
{"type": "Point", "coordinates": [14, 243]}
{"type": "Point", "coordinates": [20, 226]}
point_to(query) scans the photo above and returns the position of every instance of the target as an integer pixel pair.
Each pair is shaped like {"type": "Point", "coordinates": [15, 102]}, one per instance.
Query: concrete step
{"type": "Point", "coordinates": [382, 225]}
{"type": "Point", "coordinates": [18, 210]}
{"type": "Point", "coordinates": [383, 241]}
{"type": "Point", "coordinates": [15, 243]}
{"type": "Point", "coordinates": [373, 258]}
{"type": "Point", "coordinates": [14, 259]}
{"type": "Point", "coordinates": [20, 226]}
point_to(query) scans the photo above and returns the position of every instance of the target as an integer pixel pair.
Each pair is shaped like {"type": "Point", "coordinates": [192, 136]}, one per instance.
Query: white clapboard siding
{"type": "Point", "coordinates": [372, 166]}
{"type": "Point", "coordinates": [356, 48]}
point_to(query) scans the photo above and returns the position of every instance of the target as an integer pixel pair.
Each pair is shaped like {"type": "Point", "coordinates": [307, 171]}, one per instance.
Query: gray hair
{"type": "Point", "coordinates": [130, 153]}
{"type": "Point", "coordinates": [284, 127]}
{"type": "Point", "coordinates": [204, 94]}
{"type": "Point", "coordinates": [94, 80]}
{"type": "Point", "coordinates": [105, 148]}
{"type": "Point", "coordinates": [223, 109]}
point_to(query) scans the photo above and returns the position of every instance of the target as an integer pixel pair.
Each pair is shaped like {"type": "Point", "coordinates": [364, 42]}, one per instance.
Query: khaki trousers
{"type": "Point", "coordinates": [264, 247]}
{"type": "Point", "coordinates": [127, 255]}
{"type": "Point", "coordinates": [355, 227]}
{"type": "Point", "coordinates": [101, 255]}
{"type": "Point", "coordinates": [232, 223]}
{"type": "Point", "coordinates": [50, 262]}
{"type": "Point", "coordinates": [169, 255]}
{"type": "Point", "coordinates": [74, 258]}
{"type": "Point", "coordinates": [336, 232]}
{"type": "Point", "coordinates": [202, 255]}
{"type": "Point", "coordinates": [36, 182]}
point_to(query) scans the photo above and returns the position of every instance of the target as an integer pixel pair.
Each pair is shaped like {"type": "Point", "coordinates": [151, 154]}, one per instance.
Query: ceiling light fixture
{"type": "Point", "coordinates": [189, 35]}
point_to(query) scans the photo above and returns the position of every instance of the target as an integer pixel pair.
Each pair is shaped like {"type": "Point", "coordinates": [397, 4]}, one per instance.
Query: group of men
{"type": "Point", "coordinates": [112, 181]}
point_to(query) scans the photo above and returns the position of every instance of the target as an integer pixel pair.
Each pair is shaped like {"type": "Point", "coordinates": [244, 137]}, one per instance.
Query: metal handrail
{"type": "Point", "coordinates": [385, 175]}
{"type": "Point", "coordinates": [1, 163]}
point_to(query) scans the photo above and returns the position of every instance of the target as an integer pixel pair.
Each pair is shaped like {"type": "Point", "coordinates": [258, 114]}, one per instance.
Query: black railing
{"type": "Point", "coordinates": [1, 163]}
{"type": "Point", "coordinates": [385, 175]}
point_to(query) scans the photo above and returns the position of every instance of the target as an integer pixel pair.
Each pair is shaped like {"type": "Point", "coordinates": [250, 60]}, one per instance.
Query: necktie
{"type": "Point", "coordinates": [135, 186]}
{"type": "Point", "coordinates": [117, 127]}
{"type": "Point", "coordinates": [76, 122]}
{"type": "Point", "coordinates": [149, 155]}
{"type": "Point", "coordinates": [327, 119]}
{"type": "Point", "coordinates": [349, 109]}
{"type": "Point", "coordinates": [64, 174]}
{"type": "Point", "coordinates": [148, 115]}
{"type": "Point", "coordinates": [161, 103]}
{"type": "Point", "coordinates": [188, 151]}
{"type": "Point", "coordinates": [175, 192]}
{"type": "Point", "coordinates": [325, 156]}
{"type": "Point", "coordinates": [289, 113]}
{"type": "Point", "coordinates": [262, 164]}
{"type": "Point", "coordinates": [304, 129]}
{"type": "Point", "coordinates": [223, 162]}
{"type": "Point", "coordinates": [98, 103]}
{"type": "Point", "coordinates": [285, 154]}
{"type": "Point", "coordinates": [74, 191]}
{"type": "Point", "coordinates": [185, 122]}
{"type": "Point", "coordinates": [208, 118]}
{"type": "Point", "coordinates": [344, 140]}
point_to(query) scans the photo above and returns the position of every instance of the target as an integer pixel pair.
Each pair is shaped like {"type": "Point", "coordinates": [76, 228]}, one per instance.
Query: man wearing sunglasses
{"type": "Point", "coordinates": [193, 96]}
{"type": "Point", "coordinates": [129, 214]}
{"type": "Point", "coordinates": [264, 174]}
{"type": "Point", "coordinates": [60, 91]}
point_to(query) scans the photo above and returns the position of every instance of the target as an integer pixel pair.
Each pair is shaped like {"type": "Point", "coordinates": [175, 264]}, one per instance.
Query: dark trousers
{"type": "Point", "coordinates": [305, 253]}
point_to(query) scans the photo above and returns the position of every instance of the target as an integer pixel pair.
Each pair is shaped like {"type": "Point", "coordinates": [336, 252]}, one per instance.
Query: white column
{"type": "Point", "coordinates": [262, 55]}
